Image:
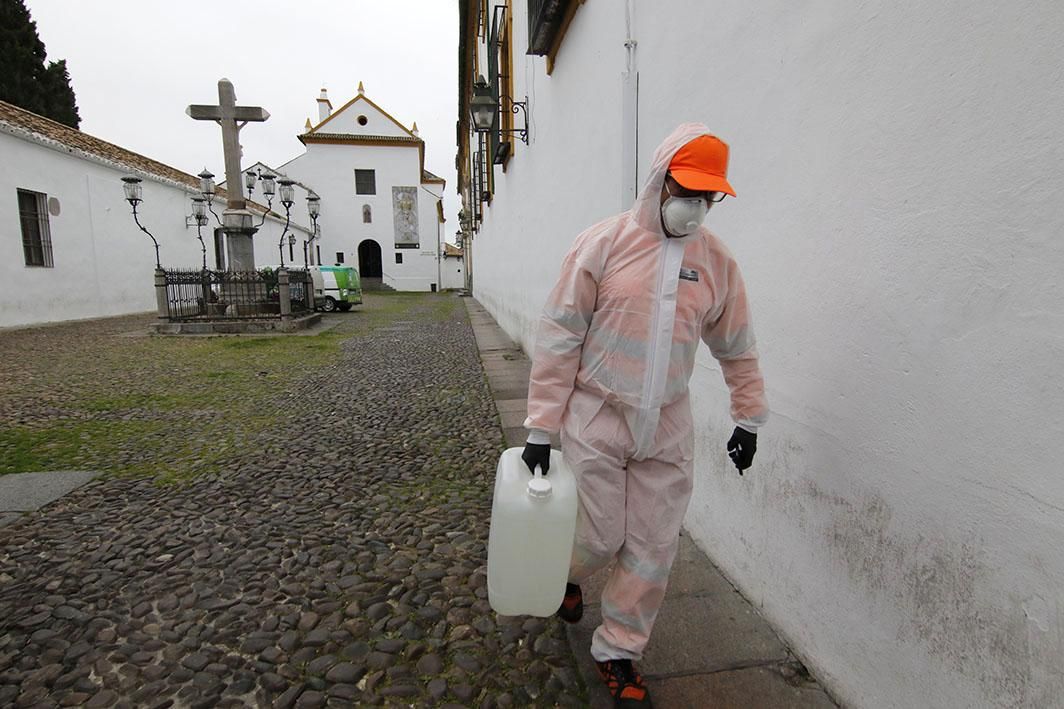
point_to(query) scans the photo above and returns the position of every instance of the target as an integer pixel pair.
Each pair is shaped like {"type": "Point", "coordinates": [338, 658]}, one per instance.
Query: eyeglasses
{"type": "Point", "coordinates": [714, 197]}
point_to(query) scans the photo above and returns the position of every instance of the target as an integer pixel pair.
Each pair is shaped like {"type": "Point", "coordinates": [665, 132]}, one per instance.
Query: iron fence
{"type": "Point", "coordinates": [234, 295]}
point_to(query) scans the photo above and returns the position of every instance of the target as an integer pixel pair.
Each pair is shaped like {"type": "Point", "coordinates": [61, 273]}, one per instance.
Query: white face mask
{"type": "Point", "coordinates": [683, 215]}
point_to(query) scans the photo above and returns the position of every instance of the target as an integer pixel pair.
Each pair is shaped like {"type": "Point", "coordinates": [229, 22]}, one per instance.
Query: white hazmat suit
{"type": "Point", "coordinates": [614, 353]}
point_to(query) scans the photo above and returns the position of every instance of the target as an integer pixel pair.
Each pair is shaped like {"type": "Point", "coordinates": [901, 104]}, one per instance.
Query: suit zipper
{"type": "Point", "coordinates": [648, 377]}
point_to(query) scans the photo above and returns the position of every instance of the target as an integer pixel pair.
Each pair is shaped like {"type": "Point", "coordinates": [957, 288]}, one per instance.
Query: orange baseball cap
{"type": "Point", "coordinates": [702, 165]}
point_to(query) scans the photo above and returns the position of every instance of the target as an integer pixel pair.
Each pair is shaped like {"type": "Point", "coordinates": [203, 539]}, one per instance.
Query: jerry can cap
{"type": "Point", "coordinates": [539, 487]}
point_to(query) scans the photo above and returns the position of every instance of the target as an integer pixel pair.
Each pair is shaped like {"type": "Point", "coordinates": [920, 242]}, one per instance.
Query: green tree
{"type": "Point", "coordinates": [25, 79]}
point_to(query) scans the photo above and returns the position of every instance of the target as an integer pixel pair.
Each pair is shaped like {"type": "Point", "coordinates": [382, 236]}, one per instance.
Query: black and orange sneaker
{"type": "Point", "coordinates": [625, 685]}
{"type": "Point", "coordinates": [572, 607]}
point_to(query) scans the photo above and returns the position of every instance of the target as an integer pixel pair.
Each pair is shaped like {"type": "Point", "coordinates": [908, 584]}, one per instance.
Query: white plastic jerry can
{"type": "Point", "coordinates": [530, 543]}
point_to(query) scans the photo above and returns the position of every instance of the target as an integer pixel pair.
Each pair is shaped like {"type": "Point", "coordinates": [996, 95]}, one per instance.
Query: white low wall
{"type": "Point", "coordinates": [898, 223]}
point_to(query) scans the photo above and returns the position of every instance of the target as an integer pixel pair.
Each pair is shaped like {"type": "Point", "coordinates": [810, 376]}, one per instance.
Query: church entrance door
{"type": "Point", "coordinates": [369, 259]}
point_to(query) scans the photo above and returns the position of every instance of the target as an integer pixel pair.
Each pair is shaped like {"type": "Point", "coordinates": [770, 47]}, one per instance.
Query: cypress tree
{"type": "Point", "coordinates": [25, 79]}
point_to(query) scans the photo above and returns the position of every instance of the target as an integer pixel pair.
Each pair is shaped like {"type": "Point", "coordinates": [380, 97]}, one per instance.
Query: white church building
{"type": "Point", "coordinates": [382, 211]}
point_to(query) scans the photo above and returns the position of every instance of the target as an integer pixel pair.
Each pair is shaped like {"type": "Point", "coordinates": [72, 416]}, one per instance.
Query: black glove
{"type": "Point", "coordinates": [537, 454]}
{"type": "Point", "coordinates": [741, 448]}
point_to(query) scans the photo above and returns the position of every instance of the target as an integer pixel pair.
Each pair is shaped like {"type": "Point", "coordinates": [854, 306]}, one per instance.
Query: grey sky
{"type": "Point", "coordinates": [135, 66]}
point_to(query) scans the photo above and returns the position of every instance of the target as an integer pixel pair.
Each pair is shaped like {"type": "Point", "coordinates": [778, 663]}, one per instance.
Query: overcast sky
{"type": "Point", "coordinates": [136, 65]}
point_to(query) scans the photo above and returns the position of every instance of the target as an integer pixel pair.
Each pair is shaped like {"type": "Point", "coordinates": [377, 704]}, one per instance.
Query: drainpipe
{"type": "Point", "coordinates": [629, 114]}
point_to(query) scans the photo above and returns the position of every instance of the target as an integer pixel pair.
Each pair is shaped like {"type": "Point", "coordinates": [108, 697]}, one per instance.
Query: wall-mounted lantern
{"type": "Point", "coordinates": [483, 106]}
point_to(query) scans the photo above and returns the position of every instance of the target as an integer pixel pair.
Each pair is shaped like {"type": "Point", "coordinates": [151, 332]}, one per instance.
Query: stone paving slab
{"type": "Point", "coordinates": [710, 647]}
{"type": "Point", "coordinates": [502, 361]}
{"type": "Point", "coordinates": [515, 436]}
{"type": "Point", "coordinates": [512, 419]}
{"type": "Point", "coordinates": [702, 634]}
{"type": "Point", "coordinates": [691, 575]}
{"type": "Point", "coordinates": [752, 688]}
{"type": "Point", "coordinates": [509, 355]}
{"type": "Point", "coordinates": [519, 382]}
{"type": "Point", "coordinates": [503, 368]}
{"type": "Point", "coordinates": [512, 393]}
{"type": "Point", "coordinates": [26, 492]}
{"type": "Point", "coordinates": [510, 405]}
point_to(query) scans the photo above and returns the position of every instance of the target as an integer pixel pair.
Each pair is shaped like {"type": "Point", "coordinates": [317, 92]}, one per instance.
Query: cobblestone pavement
{"type": "Point", "coordinates": [339, 560]}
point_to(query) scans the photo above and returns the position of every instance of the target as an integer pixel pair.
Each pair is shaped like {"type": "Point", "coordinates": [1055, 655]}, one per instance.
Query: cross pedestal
{"type": "Point", "coordinates": [246, 298]}
{"type": "Point", "coordinates": [240, 249]}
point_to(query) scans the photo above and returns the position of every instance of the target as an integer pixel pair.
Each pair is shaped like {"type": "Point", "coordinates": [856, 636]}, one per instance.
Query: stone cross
{"type": "Point", "coordinates": [228, 115]}
{"type": "Point", "coordinates": [237, 221]}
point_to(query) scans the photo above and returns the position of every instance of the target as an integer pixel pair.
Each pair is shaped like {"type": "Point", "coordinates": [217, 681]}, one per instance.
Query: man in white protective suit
{"type": "Point", "coordinates": [614, 353]}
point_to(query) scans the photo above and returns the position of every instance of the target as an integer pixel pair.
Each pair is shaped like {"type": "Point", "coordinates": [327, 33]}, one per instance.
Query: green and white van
{"type": "Point", "coordinates": [336, 287]}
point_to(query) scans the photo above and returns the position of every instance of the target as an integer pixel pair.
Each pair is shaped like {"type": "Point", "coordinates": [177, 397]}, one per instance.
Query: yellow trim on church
{"type": "Point", "coordinates": [359, 139]}
{"type": "Point", "coordinates": [361, 97]}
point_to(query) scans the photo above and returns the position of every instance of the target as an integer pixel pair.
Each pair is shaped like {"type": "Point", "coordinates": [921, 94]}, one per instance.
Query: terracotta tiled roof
{"type": "Point", "coordinates": [427, 176]}
{"type": "Point", "coordinates": [73, 138]}
{"type": "Point", "coordinates": [451, 250]}
{"type": "Point", "coordinates": [76, 140]}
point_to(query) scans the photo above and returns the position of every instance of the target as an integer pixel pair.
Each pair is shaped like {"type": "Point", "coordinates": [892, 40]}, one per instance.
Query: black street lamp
{"type": "Point", "coordinates": [314, 210]}
{"type": "Point", "coordinates": [134, 195]}
{"type": "Point", "coordinates": [287, 199]}
{"type": "Point", "coordinates": [207, 189]}
{"type": "Point", "coordinates": [199, 211]}
{"type": "Point", "coordinates": [269, 188]}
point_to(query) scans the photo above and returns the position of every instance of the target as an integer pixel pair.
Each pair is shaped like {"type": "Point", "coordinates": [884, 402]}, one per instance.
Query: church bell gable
{"type": "Point", "coordinates": [361, 117]}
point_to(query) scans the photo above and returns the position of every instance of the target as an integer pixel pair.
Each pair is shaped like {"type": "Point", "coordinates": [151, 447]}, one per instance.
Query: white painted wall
{"type": "Point", "coordinates": [103, 264]}
{"type": "Point", "coordinates": [330, 170]}
{"type": "Point", "coordinates": [564, 180]}
{"type": "Point", "coordinates": [899, 175]}
{"type": "Point", "coordinates": [453, 273]}
{"type": "Point", "coordinates": [268, 238]}
{"type": "Point", "coordinates": [346, 121]}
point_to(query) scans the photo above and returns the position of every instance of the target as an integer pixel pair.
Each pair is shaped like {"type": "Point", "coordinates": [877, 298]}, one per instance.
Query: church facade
{"type": "Point", "coordinates": [382, 211]}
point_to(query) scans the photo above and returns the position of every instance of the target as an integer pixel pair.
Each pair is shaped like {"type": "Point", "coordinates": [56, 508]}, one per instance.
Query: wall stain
{"type": "Point", "coordinates": [947, 592]}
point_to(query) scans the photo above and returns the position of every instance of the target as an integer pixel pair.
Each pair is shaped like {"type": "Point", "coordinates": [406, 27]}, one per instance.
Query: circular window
{"type": "Point", "coordinates": [362, 120]}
